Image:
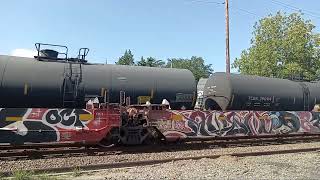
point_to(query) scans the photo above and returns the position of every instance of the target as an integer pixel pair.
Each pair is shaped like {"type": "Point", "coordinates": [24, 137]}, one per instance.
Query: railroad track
{"type": "Point", "coordinates": [159, 161]}
{"type": "Point", "coordinates": [47, 151]}
{"type": "Point", "coordinates": [54, 152]}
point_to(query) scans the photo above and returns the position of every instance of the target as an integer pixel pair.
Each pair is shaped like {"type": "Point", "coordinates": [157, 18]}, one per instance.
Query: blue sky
{"type": "Point", "coordinates": [161, 29]}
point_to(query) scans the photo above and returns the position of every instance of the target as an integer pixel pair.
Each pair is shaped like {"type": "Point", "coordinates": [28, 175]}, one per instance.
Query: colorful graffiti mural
{"type": "Point", "coordinates": [90, 126]}
{"type": "Point", "coordinates": [21, 125]}
{"type": "Point", "coordinates": [181, 124]}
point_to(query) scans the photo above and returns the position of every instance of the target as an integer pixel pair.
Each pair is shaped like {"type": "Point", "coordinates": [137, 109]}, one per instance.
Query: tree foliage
{"type": "Point", "coordinates": [151, 62]}
{"type": "Point", "coordinates": [196, 65]}
{"type": "Point", "coordinates": [282, 46]}
{"type": "Point", "coordinates": [126, 59]}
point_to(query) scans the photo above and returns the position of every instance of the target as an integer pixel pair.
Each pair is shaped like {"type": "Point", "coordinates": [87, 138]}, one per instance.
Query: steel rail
{"type": "Point", "coordinates": [196, 145]}
{"type": "Point", "coordinates": [159, 161]}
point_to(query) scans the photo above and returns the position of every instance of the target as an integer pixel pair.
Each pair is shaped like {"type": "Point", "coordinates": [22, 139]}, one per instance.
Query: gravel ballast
{"type": "Point", "coordinates": [286, 166]}
{"type": "Point", "coordinates": [87, 160]}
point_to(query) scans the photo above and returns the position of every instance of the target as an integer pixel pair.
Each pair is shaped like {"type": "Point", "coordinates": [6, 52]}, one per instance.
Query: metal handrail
{"type": "Point", "coordinates": [38, 47]}
{"type": "Point", "coordinates": [85, 53]}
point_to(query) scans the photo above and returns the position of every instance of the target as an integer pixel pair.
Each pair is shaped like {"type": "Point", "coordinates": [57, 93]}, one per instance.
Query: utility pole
{"type": "Point", "coordinates": [227, 38]}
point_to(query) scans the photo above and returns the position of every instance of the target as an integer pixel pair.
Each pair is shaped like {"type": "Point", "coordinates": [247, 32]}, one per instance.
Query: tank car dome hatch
{"type": "Point", "coordinates": [49, 53]}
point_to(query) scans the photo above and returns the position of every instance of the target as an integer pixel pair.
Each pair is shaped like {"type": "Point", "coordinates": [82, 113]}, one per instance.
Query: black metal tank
{"type": "Point", "coordinates": [28, 82]}
{"type": "Point", "coordinates": [246, 92]}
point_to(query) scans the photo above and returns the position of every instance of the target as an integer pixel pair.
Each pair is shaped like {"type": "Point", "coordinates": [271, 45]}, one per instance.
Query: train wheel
{"type": "Point", "coordinates": [111, 139]}
{"type": "Point", "coordinates": [154, 137]}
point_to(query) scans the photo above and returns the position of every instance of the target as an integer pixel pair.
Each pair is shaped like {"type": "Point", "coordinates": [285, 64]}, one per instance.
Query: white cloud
{"type": "Point", "coordinates": [23, 53]}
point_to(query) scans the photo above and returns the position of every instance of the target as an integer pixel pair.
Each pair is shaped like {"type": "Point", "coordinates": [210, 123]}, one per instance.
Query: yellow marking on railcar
{"type": "Point", "coordinates": [143, 99]}
{"type": "Point", "coordinates": [222, 117]}
{"type": "Point", "coordinates": [102, 92]}
{"type": "Point", "coordinates": [177, 117]}
{"type": "Point", "coordinates": [287, 118]}
{"type": "Point", "coordinates": [86, 117]}
{"type": "Point", "coordinates": [263, 117]}
{"type": "Point", "coordinates": [13, 118]}
{"type": "Point", "coordinates": [151, 93]}
{"type": "Point", "coordinates": [194, 98]}
{"type": "Point", "coordinates": [25, 90]}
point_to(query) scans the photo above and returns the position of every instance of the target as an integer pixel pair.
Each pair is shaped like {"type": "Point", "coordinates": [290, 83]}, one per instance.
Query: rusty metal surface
{"type": "Point", "coordinates": [51, 152]}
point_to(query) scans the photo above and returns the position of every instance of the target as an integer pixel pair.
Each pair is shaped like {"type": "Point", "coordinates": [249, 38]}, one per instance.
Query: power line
{"type": "Point", "coordinates": [206, 2]}
{"type": "Point", "coordinates": [288, 6]}
{"type": "Point", "coordinates": [246, 11]}
{"type": "Point", "coordinates": [222, 3]}
{"type": "Point", "coordinates": [294, 8]}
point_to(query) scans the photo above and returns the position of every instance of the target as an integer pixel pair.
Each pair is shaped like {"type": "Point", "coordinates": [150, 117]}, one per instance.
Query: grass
{"type": "Point", "coordinates": [22, 175]}
{"type": "Point", "coordinates": [29, 175]}
{"type": "Point", "coordinates": [45, 177]}
{"type": "Point", "coordinates": [76, 171]}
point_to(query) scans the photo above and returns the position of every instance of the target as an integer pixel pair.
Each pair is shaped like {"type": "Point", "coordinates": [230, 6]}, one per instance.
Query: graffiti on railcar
{"type": "Point", "coordinates": [18, 125]}
{"type": "Point", "coordinates": [315, 119]}
{"type": "Point", "coordinates": [66, 118]}
{"type": "Point", "coordinates": [239, 123]}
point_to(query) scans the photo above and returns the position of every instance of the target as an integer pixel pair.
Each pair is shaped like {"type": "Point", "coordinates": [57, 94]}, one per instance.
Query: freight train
{"type": "Point", "coordinates": [48, 99]}
{"type": "Point", "coordinates": [247, 92]}
{"type": "Point", "coordinates": [52, 80]}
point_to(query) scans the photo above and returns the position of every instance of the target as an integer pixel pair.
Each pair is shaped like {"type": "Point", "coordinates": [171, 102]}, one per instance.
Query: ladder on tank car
{"type": "Point", "coordinates": [73, 79]}
{"type": "Point", "coordinates": [306, 96]}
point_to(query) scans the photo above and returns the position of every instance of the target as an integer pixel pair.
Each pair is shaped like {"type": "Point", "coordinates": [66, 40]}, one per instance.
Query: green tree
{"type": "Point", "coordinates": [126, 59]}
{"type": "Point", "coordinates": [151, 62]}
{"type": "Point", "coordinates": [282, 46]}
{"type": "Point", "coordinates": [196, 65]}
